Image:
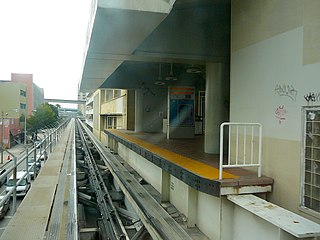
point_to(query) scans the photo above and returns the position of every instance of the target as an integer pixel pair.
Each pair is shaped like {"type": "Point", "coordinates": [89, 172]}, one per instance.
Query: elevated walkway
{"type": "Point", "coordinates": [32, 219]}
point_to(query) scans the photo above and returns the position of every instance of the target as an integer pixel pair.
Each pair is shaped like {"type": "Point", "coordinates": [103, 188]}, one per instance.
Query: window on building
{"type": "Point", "coordinates": [23, 93]}
{"type": "Point", "coordinates": [111, 122]}
{"type": "Point", "coordinates": [109, 94]}
{"type": "Point", "coordinates": [311, 160]}
{"type": "Point", "coordinates": [117, 93]}
{"type": "Point", "coordinates": [23, 106]}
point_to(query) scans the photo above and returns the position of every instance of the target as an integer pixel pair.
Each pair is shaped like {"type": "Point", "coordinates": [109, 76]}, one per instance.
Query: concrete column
{"type": "Point", "coordinates": [226, 219]}
{"type": "Point", "coordinates": [192, 206]}
{"type": "Point", "coordinates": [214, 106]}
{"type": "Point", "coordinates": [138, 123]}
{"type": "Point", "coordinates": [165, 186]}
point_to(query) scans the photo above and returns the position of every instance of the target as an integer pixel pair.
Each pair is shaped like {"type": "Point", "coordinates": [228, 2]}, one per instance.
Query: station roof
{"type": "Point", "coordinates": [134, 43]}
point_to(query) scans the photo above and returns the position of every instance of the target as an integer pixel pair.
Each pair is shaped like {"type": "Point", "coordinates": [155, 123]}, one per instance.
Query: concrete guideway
{"type": "Point", "coordinates": [33, 215]}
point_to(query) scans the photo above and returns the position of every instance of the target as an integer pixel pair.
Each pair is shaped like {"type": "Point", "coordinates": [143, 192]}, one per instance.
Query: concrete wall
{"type": "Point", "coordinates": [154, 108]}
{"type": "Point", "coordinates": [151, 173]}
{"type": "Point", "coordinates": [203, 210]}
{"type": "Point", "coordinates": [275, 62]}
{"type": "Point", "coordinates": [130, 109]}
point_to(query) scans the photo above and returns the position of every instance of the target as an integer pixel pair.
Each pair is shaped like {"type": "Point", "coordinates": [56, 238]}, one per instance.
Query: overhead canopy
{"type": "Point", "coordinates": [144, 34]}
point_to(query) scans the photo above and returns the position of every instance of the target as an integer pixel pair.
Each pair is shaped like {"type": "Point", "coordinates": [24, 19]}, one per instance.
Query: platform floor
{"type": "Point", "coordinates": [189, 154]}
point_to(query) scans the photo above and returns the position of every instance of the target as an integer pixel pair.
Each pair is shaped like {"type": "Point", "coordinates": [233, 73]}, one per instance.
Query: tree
{"type": "Point", "coordinates": [44, 115]}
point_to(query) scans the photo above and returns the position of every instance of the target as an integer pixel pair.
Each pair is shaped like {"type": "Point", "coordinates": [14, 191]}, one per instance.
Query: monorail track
{"type": "Point", "coordinates": [99, 162]}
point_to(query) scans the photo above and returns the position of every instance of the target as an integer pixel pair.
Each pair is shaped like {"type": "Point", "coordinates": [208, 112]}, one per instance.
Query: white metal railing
{"type": "Point", "coordinates": [45, 144]}
{"type": "Point", "coordinates": [242, 152]}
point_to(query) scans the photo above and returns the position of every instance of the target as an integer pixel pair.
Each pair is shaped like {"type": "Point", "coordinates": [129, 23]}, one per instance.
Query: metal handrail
{"type": "Point", "coordinates": [241, 161]}
{"type": "Point", "coordinates": [24, 156]}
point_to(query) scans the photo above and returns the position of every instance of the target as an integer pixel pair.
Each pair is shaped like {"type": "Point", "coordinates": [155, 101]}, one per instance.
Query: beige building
{"type": "Point", "coordinates": [108, 109]}
{"type": "Point", "coordinates": [13, 107]}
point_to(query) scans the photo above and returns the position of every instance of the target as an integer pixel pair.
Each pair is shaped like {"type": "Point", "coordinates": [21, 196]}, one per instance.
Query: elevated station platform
{"type": "Point", "coordinates": [186, 160]}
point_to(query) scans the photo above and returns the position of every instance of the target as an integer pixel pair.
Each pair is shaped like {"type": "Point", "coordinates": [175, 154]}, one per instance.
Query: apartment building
{"type": "Point", "coordinates": [108, 109]}
{"type": "Point", "coordinates": [13, 106]}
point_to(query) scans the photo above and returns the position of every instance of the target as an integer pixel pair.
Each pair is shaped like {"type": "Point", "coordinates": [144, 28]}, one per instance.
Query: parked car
{"type": "Point", "coordinates": [44, 156]}
{"type": "Point", "coordinates": [23, 186]}
{"type": "Point", "coordinates": [5, 207]}
{"type": "Point", "coordinates": [4, 179]}
{"type": "Point", "coordinates": [31, 162]}
{"type": "Point", "coordinates": [31, 172]}
{"type": "Point", "coordinates": [37, 143]}
{"type": "Point", "coordinates": [38, 167]}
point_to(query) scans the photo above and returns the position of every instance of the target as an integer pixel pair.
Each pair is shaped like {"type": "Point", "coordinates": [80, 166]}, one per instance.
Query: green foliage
{"type": "Point", "coordinates": [44, 115]}
{"type": "Point", "coordinates": [22, 118]}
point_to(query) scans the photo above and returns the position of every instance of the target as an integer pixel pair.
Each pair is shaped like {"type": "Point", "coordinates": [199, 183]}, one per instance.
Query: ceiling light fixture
{"type": "Point", "coordinates": [171, 77]}
{"type": "Point", "coordinates": [193, 69]}
{"type": "Point", "coordinates": [159, 83]}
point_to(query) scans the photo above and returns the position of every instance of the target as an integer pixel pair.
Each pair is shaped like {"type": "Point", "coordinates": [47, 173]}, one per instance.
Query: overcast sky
{"type": "Point", "coordinates": [44, 38]}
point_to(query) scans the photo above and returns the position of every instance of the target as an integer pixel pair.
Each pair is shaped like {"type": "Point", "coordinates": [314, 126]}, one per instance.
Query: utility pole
{"type": "Point", "coordinates": [2, 136]}
{"type": "Point", "coordinates": [25, 123]}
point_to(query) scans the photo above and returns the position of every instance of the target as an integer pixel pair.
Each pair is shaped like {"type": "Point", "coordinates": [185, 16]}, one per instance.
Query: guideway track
{"type": "Point", "coordinates": [112, 226]}
{"type": "Point", "coordinates": [155, 219]}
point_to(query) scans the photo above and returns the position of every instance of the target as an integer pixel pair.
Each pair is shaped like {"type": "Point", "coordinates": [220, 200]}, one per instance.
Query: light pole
{"type": "Point", "coordinates": [25, 129]}
{"type": "Point", "coordinates": [2, 134]}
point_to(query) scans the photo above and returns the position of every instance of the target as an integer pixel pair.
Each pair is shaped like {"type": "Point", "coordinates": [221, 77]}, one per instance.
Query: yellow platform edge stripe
{"type": "Point", "coordinates": [194, 166]}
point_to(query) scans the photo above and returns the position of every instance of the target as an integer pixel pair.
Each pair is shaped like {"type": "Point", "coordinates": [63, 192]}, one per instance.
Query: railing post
{"type": "Point", "coordinates": [34, 161]}
{"type": "Point", "coordinates": [260, 150]}
{"type": "Point", "coordinates": [50, 142]}
{"type": "Point", "coordinates": [221, 151]}
{"type": "Point", "coordinates": [14, 204]}
{"type": "Point", "coordinates": [27, 152]}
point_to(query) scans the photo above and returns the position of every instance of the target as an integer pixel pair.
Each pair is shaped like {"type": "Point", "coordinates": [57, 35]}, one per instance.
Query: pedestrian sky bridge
{"type": "Point", "coordinates": [65, 101]}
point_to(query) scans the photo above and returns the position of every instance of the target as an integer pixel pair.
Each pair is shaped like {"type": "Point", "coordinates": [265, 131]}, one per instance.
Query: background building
{"type": "Point", "coordinates": [18, 98]}
{"type": "Point", "coordinates": [13, 102]}
{"type": "Point", "coordinates": [108, 109]}
{"type": "Point", "coordinates": [35, 94]}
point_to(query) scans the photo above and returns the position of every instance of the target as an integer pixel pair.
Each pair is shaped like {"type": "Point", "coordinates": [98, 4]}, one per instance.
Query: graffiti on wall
{"type": "Point", "coordinates": [312, 97]}
{"type": "Point", "coordinates": [286, 90]}
{"type": "Point", "coordinates": [280, 113]}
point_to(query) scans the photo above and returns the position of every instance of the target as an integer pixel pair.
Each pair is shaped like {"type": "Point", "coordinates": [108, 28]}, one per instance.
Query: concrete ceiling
{"type": "Point", "coordinates": [128, 44]}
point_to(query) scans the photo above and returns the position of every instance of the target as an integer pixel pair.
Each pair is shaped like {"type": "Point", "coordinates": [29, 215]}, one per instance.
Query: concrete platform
{"type": "Point", "coordinates": [186, 160]}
